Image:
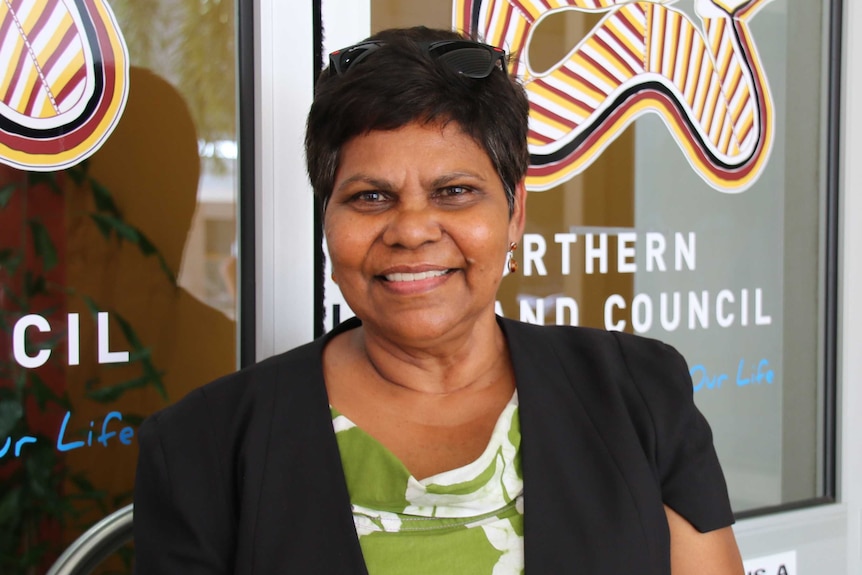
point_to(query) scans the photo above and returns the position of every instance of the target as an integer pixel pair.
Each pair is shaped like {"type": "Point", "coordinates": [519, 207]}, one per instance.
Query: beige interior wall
{"type": "Point", "coordinates": [403, 13]}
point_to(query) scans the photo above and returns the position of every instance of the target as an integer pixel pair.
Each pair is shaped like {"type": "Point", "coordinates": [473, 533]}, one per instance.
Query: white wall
{"type": "Point", "coordinates": [850, 359]}
{"type": "Point", "coordinates": [284, 207]}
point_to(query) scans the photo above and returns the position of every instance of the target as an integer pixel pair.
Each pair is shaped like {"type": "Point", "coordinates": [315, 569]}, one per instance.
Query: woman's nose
{"type": "Point", "coordinates": [412, 225]}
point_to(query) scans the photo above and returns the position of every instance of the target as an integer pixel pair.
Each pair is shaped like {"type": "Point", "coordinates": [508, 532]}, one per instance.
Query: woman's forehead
{"type": "Point", "coordinates": [417, 146]}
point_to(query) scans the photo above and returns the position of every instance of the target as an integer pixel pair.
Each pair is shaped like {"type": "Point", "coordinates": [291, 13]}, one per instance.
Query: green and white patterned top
{"type": "Point", "coordinates": [467, 520]}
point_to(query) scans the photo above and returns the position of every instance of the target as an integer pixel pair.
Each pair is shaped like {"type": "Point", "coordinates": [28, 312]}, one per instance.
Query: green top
{"type": "Point", "coordinates": [467, 520]}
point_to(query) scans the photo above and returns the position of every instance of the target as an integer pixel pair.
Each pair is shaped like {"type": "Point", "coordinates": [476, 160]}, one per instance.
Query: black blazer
{"type": "Point", "coordinates": [244, 476]}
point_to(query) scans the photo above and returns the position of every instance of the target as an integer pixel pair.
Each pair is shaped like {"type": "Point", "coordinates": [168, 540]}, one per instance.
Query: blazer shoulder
{"type": "Point", "coordinates": [633, 347]}
{"type": "Point", "coordinates": [646, 374]}
{"type": "Point", "coordinates": [234, 396]}
{"type": "Point", "coordinates": [573, 337]}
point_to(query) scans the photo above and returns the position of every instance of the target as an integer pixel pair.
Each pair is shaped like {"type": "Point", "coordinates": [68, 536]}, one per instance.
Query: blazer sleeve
{"type": "Point", "coordinates": [684, 458]}
{"type": "Point", "coordinates": [182, 521]}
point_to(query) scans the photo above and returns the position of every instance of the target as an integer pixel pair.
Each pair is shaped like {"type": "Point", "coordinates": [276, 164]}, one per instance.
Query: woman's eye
{"type": "Point", "coordinates": [369, 197]}
{"type": "Point", "coordinates": [455, 191]}
{"type": "Point", "coordinates": [369, 201]}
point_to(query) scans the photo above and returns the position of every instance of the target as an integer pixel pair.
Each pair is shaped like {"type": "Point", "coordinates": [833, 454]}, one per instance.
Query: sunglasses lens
{"type": "Point", "coordinates": [341, 60]}
{"type": "Point", "coordinates": [348, 57]}
{"type": "Point", "coordinates": [468, 58]}
{"type": "Point", "coordinates": [472, 62]}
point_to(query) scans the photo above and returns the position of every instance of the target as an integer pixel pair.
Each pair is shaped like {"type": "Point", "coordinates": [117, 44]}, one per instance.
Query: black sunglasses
{"type": "Point", "coordinates": [472, 59]}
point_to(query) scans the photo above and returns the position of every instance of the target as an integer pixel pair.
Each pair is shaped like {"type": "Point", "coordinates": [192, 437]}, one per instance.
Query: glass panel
{"type": "Point", "coordinates": [117, 247]}
{"type": "Point", "coordinates": [677, 191]}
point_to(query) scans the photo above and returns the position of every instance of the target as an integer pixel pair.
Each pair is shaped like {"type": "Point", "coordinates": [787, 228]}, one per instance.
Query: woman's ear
{"type": "Point", "coordinates": [519, 213]}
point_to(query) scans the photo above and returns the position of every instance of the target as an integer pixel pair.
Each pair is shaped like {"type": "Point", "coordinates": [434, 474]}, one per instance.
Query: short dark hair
{"type": "Point", "coordinates": [399, 84]}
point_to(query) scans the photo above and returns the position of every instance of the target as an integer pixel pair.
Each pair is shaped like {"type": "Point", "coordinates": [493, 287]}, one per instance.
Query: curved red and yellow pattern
{"type": "Point", "coordinates": [706, 82]}
{"type": "Point", "coordinates": [64, 80]}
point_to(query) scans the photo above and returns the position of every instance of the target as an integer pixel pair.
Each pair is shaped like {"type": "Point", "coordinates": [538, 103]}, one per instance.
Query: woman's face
{"type": "Point", "coordinates": [418, 227]}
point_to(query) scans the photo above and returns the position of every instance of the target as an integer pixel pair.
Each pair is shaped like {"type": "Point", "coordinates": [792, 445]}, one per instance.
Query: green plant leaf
{"type": "Point", "coordinates": [91, 383]}
{"type": "Point", "coordinates": [6, 193]}
{"type": "Point", "coordinates": [43, 480]}
{"type": "Point", "coordinates": [133, 419]}
{"type": "Point", "coordinates": [127, 555]}
{"type": "Point", "coordinates": [11, 412]}
{"type": "Point", "coordinates": [77, 176]}
{"type": "Point", "coordinates": [7, 394]}
{"type": "Point", "coordinates": [10, 505]}
{"type": "Point", "coordinates": [79, 172]}
{"type": "Point", "coordinates": [81, 481]}
{"type": "Point", "coordinates": [139, 353]}
{"type": "Point", "coordinates": [56, 505]}
{"type": "Point", "coordinates": [34, 284]}
{"type": "Point", "coordinates": [147, 365]}
{"type": "Point", "coordinates": [10, 260]}
{"type": "Point", "coordinates": [47, 178]}
{"type": "Point", "coordinates": [123, 498]}
{"type": "Point", "coordinates": [44, 394]}
{"type": "Point", "coordinates": [104, 227]}
{"type": "Point", "coordinates": [35, 554]}
{"type": "Point", "coordinates": [43, 245]}
{"type": "Point", "coordinates": [87, 492]}
{"type": "Point", "coordinates": [18, 300]}
{"type": "Point", "coordinates": [123, 230]}
{"type": "Point", "coordinates": [103, 199]}
{"type": "Point", "coordinates": [91, 305]}
{"type": "Point", "coordinates": [128, 332]}
{"type": "Point", "coordinates": [112, 393]}
{"type": "Point", "coordinates": [21, 380]}
{"type": "Point", "coordinates": [108, 224]}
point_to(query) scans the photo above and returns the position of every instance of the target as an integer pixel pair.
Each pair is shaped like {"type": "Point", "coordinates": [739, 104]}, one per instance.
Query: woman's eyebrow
{"type": "Point", "coordinates": [376, 183]}
{"type": "Point", "coordinates": [447, 178]}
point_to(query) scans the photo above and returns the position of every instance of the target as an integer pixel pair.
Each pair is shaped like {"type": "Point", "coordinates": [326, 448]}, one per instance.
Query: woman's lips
{"type": "Point", "coordinates": [413, 277]}
{"type": "Point", "coordinates": [418, 280]}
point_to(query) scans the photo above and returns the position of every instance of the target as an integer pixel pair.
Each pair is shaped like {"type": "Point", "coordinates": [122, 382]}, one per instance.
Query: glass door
{"type": "Point", "coordinates": [119, 246]}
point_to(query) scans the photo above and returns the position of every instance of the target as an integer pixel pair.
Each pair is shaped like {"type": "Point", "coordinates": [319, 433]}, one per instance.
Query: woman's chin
{"type": "Point", "coordinates": [420, 328]}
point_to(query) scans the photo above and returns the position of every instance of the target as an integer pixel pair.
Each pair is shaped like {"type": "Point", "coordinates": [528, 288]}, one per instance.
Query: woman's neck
{"type": "Point", "coordinates": [473, 356]}
{"type": "Point", "coordinates": [434, 407]}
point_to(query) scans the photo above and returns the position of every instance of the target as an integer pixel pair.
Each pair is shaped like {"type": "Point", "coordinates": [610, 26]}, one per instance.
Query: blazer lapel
{"type": "Point", "coordinates": [305, 523]}
{"type": "Point", "coordinates": [583, 505]}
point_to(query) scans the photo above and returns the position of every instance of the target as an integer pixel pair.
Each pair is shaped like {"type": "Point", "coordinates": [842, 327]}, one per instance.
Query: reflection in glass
{"type": "Point", "coordinates": [120, 273]}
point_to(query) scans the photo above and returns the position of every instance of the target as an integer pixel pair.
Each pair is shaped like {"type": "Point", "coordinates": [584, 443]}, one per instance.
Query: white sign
{"type": "Point", "coordinates": [780, 564]}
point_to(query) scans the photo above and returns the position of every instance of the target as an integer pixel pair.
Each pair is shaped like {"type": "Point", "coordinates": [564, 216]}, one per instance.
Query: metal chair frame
{"type": "Point", "coordinates": [96, 544]}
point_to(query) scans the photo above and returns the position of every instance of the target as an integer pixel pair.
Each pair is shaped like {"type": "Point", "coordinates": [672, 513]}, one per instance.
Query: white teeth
{"type": "Point", "coordinates": [415, 277]}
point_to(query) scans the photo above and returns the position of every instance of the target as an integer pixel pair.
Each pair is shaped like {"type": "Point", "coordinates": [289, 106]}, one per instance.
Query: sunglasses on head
{"type": "Point", "coordinates": [471, 59]}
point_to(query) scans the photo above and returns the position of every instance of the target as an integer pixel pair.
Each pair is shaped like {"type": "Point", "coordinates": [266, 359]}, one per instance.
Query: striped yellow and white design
{"type": "Point", "coordinates": [705, 81]}
{"type": "Point", "coordinates": [45, 76]}
{"type": "Point", "coordinates": [63, 80]}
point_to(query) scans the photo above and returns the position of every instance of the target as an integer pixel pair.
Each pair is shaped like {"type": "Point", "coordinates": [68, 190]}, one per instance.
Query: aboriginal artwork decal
{"type": "Point", "coordinates": [706, 82]}
{"type": "Point", "coordinates": [64, 80]}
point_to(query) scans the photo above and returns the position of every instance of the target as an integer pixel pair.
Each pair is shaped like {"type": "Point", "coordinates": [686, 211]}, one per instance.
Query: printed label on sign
{"type": "Point", "coordinates": [779, 564]}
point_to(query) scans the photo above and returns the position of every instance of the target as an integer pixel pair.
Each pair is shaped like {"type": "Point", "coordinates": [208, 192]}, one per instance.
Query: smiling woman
{"type": "Point", "coordinates": [408, 440]}
{"type": "Point", "coordinates": [418, 248]}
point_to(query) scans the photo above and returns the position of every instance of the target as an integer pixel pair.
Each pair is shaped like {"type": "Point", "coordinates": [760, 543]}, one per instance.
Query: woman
{"type": "Point", "coordinates": [393, 444]}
